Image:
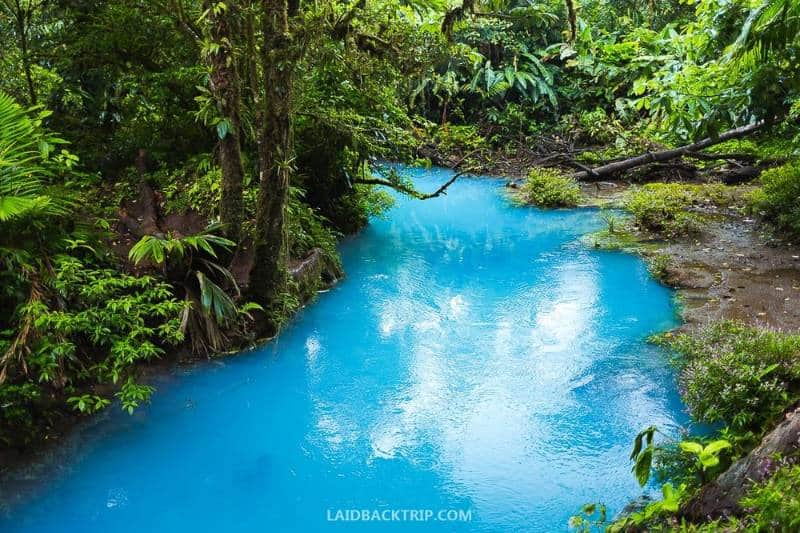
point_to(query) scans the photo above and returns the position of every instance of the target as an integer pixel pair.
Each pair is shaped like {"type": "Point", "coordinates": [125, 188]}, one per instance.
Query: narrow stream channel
{"type": "Point", "coordinates": [478, 364]}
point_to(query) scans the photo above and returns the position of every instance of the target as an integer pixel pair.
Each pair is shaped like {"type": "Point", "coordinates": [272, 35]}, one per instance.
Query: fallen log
{"type": "Point", "coordinates": [721, 497]}
{"type": "Point", "coordinates": [604, 171]}
{"type": "Point", "coordinates": [725, 157]}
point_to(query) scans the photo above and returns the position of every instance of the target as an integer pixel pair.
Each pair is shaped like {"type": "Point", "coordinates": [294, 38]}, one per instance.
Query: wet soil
{"type": "Point", "coordinates": [735, 268]}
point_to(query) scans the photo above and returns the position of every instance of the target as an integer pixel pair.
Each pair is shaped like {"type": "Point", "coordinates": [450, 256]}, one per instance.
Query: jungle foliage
{"type": "Point", "coordinates": [165, 164]}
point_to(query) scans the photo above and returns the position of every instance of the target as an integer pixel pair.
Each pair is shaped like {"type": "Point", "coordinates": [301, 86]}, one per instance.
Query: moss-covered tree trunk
{"type": "Point", "coordinates": [572, 16]}
{"type": "Point", "coordinates": [269, 275]}
{"type": "Point", "coordinates": [225, 88]}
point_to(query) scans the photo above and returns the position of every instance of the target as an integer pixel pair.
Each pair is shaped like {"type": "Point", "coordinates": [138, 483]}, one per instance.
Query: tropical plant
{"type": "Point", "coordinates": [706, 456]}
{"type": "Point", "coordinates": [191, 262]}
{"type": "Point", "coordinates": [669, 503]}
{"type": "Point", "coordinates": [642, 454]}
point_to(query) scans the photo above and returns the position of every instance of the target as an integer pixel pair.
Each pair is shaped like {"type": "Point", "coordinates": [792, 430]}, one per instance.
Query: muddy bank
{"type": "Point", "coordinates": [735, 268]}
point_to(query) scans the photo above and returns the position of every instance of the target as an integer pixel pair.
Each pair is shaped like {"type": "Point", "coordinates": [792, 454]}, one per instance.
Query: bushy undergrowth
{"type": "Point", "coordinates": [665, 207]}
{"type": "Point", "coordinates": [98, 325]}
{"type": "Point", "coordinates": [545, 187]}
{"type": "Point", "coordinates": [775, 505]}
{"type": "Point", "coordinates": [452, 138]}
{"type": "Point", "coordinates": [738, 375]}
{"type": "Point", "coordinates": [770, 506]}
{"type": "Point", "coordinates": [778, 199]}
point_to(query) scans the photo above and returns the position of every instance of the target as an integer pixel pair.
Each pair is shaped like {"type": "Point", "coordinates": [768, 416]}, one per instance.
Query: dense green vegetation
{"type": "Point", "coordinates": [740, 376]}
{"type": "Point", "coordinates": [666, 208]}
{"type": "Point", "coordinates": [167, 167]}
{"type": "Point", "coordinates": [550, 188]}
{"type": "Point", "coordinates": [777, 197]}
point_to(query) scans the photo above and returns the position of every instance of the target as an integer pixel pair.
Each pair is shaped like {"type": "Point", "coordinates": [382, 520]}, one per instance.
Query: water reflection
{"type": "Point", "coordinates": [476, 357]}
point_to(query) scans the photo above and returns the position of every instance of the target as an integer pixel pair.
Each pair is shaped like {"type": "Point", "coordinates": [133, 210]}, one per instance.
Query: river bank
{"type": "Point", "coordinates": [734, 268]}
{"type": "Point", "coordinates": [311, 275]}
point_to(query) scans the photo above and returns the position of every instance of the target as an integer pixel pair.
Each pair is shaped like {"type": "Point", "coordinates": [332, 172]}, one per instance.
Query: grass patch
{"type": "Point", "coordinates": [664, 208]}
{"type": "Point", "coordinates": [546, 187]}
{"type": "Point", "coordinates": [617, 235]}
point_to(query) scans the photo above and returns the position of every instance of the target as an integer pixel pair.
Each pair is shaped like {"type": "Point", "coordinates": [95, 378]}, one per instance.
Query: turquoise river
{"type": "Point", "coordinates": [479, 369]}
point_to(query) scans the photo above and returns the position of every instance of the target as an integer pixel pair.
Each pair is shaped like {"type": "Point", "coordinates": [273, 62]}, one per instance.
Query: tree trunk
{"type": "Point", "coordinates": [572, 15]}
{"type": "Point", "coordinates": [250, 60]}
{"type": "Point", "coordinates": [225, 88]}
{"type": "Point", "coordinates": [721, 496]}
{"type": "Point", "coordinates": [665, 155]}
{"type": "Point", "coordinates": [269, 275]}
{"type": "Point", "coordinates": [22, 20]}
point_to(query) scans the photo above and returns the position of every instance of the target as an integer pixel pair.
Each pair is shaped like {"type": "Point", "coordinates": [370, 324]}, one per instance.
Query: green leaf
{"type": "Point", "coordinates": [717, 446]}
{"type": "Point", "coordinates": [641, 467]}
{"type": "Point", "coordinates": [768, 370]}
{"type": "Point", "coordinates": [691, 447]}
{"type": "Point", "coordinates": [708, 461]}
{"type": "Point", "coordinates": [671, 500]}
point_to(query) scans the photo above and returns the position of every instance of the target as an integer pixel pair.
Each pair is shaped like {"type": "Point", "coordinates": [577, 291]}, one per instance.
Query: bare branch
{"type": "Point", "coordinates": [411, 191]}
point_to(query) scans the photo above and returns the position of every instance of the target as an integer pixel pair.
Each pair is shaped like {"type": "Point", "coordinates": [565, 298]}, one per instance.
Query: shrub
{"type": "Point", "coordinates": [663, 207]}
{"type": "Point", "coordinates": [659, 265]}
{"type": "Point", "coordinates": [307, 228]}
{"type": "Point", "coordinates": [735, 374]}
{"type": "Point", "coordinates": [778, 199]}
{"type": "Point", "coordinates": [458, 138]}
{"type": "Point", "coordinates": [598, 127]}
{"type": "Point", "coordinates": [550, 188]}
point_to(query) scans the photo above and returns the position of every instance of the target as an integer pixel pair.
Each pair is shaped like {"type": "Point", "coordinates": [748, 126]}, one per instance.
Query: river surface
{"type": "Point", "coordinates": [479, 366]}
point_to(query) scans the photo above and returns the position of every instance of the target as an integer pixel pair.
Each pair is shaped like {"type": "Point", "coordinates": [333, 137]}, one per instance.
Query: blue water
{"type": "Point", "coordinates": [478, 362]}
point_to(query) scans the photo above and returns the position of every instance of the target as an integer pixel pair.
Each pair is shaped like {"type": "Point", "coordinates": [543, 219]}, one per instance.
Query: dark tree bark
{"type": "Point", "coordinates": [269, 276]}
{"type": "Point", "coordinates": [616, 167]}
{"type": "Point", "coordinates": [225, 88]}
{"type": "Point", "coordinates": [251, 58]}
{"type": "Point", "coordinates": [721, 496]}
